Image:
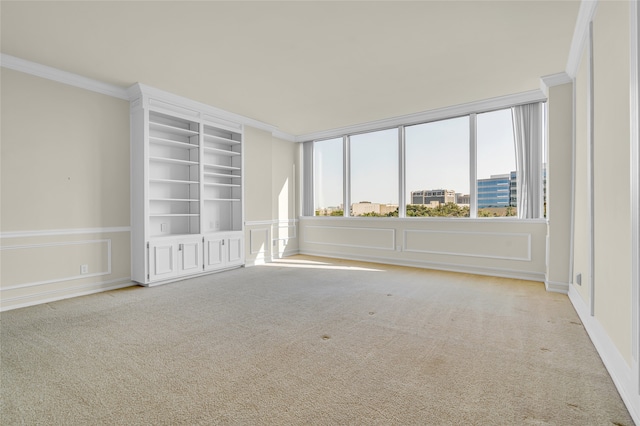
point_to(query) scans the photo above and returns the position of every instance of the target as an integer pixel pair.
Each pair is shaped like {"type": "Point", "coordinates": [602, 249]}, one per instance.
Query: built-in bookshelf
{"type": "Point", "coordinates": [187, 188]}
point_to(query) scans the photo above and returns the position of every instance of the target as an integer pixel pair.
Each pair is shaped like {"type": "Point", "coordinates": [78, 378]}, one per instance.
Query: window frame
{"type": "Point", "coordinates": [473, 184]}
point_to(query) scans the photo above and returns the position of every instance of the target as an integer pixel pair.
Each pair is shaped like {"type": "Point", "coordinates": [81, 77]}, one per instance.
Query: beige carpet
{"type": "Point", "coordinates": [307, 341]}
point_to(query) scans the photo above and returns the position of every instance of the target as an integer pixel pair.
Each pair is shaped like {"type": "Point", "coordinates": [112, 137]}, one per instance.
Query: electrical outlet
{"type": "Point", "coordinates": [164, 227]}
{"type": "Point", "coordinates": [579, 279]}
{"type": "Point", "coordinates": [84, 269]}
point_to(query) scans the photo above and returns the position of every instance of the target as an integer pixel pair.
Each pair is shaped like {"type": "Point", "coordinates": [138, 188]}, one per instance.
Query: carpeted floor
{"type": "Point", "coordinates": [307, 341]}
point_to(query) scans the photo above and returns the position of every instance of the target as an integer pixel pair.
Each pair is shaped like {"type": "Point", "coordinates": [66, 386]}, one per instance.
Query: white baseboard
{"type": "Point", "coordinates": [64, 293]}
{"type": "Point", "coordinates": [620, 372]}
{"type": "Point", "coordinates": [286, 253]}
{"type": "Point", "coordinates": [450, 267]}
{"type": "Point", "coordinates": [261, 260]}
{"type": "Point", "coordinates": [556, 287]}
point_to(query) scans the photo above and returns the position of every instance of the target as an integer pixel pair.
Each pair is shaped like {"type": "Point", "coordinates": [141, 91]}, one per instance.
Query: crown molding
{"type": "Point", "coordinates": [284, 136]}
{"type": "Point", "coordinates": [585, 15]}
{"type": "Point", "coordinates": [50, 73]}
{"type": "Point", "coordinates": [552, 80]}
{"type": "Point", "coordinates": [431, 115]}
{"type": "Point", "coordinates": [22, 65]}
{"type": "Point", "coordinates": [138, 89]}
{"type": "Point", "coordinates": [75, 80]}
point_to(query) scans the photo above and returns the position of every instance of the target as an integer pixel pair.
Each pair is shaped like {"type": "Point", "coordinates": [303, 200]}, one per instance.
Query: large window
{"type": "Point", "coordinates": [496, 164]}
{"type": "Point", "coordinates": [327, 178]}
{"type": "Point", "coordinates": [437, 168]}
{"type": "Point", "coordinates": [486, 164]}
{"type": "Point", "coordinates": [374, 173]}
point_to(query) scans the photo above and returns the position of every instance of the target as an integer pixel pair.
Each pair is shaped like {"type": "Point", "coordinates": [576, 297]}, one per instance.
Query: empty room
{"type": "Point", "coordinates": [320, 212]}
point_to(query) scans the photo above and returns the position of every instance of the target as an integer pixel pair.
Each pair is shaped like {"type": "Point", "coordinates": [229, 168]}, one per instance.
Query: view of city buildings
{"type": "Point", "coordinates": [497, 197]}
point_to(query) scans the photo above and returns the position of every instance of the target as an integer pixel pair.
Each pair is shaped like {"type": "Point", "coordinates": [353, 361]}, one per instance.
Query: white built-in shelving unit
{"type": "Point", "coordinates": [186, 188]}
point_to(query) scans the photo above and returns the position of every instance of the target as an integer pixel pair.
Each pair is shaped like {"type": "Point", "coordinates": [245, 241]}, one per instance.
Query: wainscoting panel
{"type": "Point", "coordinates": [491, 245]}
{"type": "Point", "coordinates": [259, 240]}
{"type": "Point", "coordinates": [40, 266]}
{"type": "Point", "coordinates": [35, 264]}
{"type": "Point", "coordinates": [361, 237]}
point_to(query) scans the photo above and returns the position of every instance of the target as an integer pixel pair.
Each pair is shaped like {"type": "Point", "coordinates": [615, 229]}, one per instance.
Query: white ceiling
{"type": "Point", "coordinates": [302, 66]}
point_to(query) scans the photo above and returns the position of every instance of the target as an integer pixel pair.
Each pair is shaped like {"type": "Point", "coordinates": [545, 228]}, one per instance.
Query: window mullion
{"type": "Point", "coordinates": [402, 202]}
{"type": "Point", "coordinates": [473, 166]}
{"type": "Point", "coordinates": [346, 176]}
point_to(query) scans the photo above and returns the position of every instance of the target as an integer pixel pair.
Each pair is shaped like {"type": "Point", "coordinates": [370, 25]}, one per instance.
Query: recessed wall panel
{"type": "Point", "coordinates": [369, 238]}
{"type": "Point", "coordinates": [496, 245]}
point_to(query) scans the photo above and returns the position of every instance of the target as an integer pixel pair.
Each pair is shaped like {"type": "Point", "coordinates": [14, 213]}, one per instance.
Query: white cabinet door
{"type": "Point", "coordinates": [223, 250]}
{"type": "Point", "coordinates": [214, 253]}
{"type": "Point", "coordinates": [189, 256]}
{"type": "Point", "coordinates": [234, 247]}
{"type": "Point", "coordinates": [162, 260]}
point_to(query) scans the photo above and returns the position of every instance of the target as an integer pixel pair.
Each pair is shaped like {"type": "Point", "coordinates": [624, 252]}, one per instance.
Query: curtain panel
{"type": "Point", "coordinates": [527, 129]}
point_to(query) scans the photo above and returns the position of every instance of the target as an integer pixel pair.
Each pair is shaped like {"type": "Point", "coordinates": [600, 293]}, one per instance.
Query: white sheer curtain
{"type": "Point", "coordinates": [307, 179]}
{"type": "Point", "coordinates": [527, 130]}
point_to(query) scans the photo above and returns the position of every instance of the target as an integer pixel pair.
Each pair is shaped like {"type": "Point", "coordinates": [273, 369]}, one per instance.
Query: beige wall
{"type": "Point", "coordinates": [270, 196]}
{"type": "Point", "coordinates": [581, 208]}
{"type": "Point", "coordinates": [507, 248]}
{"type": "Point", "coordinates": [612, 280]}
{"type": "Point", "coordinates": [559, 178]}
{"type": "Point", "coordinates": [65, 190]}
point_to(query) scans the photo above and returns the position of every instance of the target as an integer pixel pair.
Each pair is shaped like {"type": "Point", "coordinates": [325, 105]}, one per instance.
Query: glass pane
{"type": "Point", "coordinates": [437, 168]}
{"type": "Point", "coordinates": [496, 165]}
{"type": "Point", "coordinates": [327, 178]}
{"type": "Point", "coordinates": [545, 158]}
{"type": "Point", "coordinates": [374, 174]}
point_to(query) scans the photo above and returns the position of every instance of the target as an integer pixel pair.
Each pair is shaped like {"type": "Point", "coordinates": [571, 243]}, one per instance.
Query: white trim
{"type": "Point", "coordinates": [260, 222]}
{"type": "Point", "coordinates": [431, 115]}
{"type": "Point", "coordinates": [282, 135]}
{"type": "Point", "coordinates": [75, 80]}
{"type": "Point", "coordinates": [392, 230]}
{"type": "Point", "coordinates": [617, 367]}
{"type": "Point", "coordinates": [553, 80]}
{"type": "Point", "coordinates": [81, 290]}
{"type": "Point", "coordinates": [286, 253]}
{"type": "Point", "coordinates": [57, 232]}
{"type": "Point", "coordinates": [209, 113]}
{"type": "Point", "coordinates": [451, 267]}
{"type": "Point", "coordinates": [591, 168]}
{"type": "Point", "coordinates": [57, 280]}
{"type": "Point", "coordinates": [64, 77]}
{"type": "Point", "coordinates": [259, 261]}
{"type": "Point", "coordinates": [487, 220]}
{"type": "Point", "coordinates": [267, 240]}
{"type": "Point", "coordinates": [432, 231]}
{"type": "Point", "coordinates": [573, 184]}
{"type": "Point", "coordinates": [634, 90]}
{"type": "Point", "coordinates": [271, 222]}
{"type": "Point", "coordinates": [402, 177]}
{"type": "Point", "coordinates": [581, 29]}
{"type": "Point", "coordinates": [556, 287]}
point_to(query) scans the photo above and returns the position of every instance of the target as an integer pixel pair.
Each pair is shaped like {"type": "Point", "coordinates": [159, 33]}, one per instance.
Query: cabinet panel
{"type": "Point", "coordinates": [162, 260]}
{"type": "Point", "coordinates": [214, 255]}
{"type": "Point", "coordinates": [190, 256]}
{"type": "Point", "coordinates": [235, 250]}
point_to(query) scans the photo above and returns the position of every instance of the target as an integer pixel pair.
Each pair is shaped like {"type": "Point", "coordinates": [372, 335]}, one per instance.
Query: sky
{"type": "Point", "coordinates": [437, 157]}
